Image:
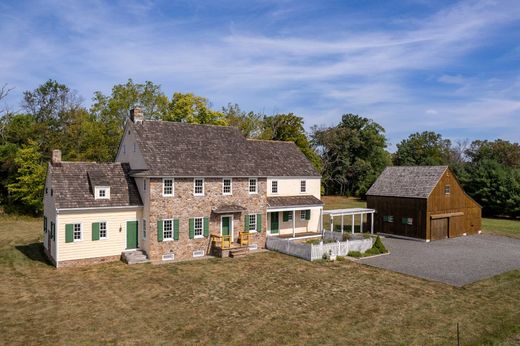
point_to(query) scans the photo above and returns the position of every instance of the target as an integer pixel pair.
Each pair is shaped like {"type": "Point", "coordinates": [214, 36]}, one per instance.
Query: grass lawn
{"type": "Point", "coordinates": [265, 298]}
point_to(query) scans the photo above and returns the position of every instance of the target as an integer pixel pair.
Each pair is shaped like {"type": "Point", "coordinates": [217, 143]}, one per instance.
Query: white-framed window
{"type": "Point", "coordinates": [253, 185]}
{"type": "Point", "coordinates": [252, 222]}
{"type": "Point", "coordinates": [198, 253]}
{"type": "Point", "coordinates": [303, 186]}
{"type": "Point", "coordinates": [144, 229]}
{"type": "Point", "coordinates": [167, 187]}
{"type": "Point", "coordinates": [198, 187]}
{"type": "Point", "coordinates": [289, 215]}
{"type": "Point", "coordinates": [102, 192]}
{"type": "Point", "coordinates": [227, 188]}
{"type": "Point", "coordinates": [447, 189]}
{"type": "Point", "coordinates": [198, 227]}
{"type": "Point", "coordinates": [103, 230]}
{"type": "Point", "coordinates": [303, 215]}
{"type": "Point", "coordinates": [274, 186]}
{"type": "Point", "coordinates": [76, 232]}
{"type": "Point", "coordinates": [168, 229]}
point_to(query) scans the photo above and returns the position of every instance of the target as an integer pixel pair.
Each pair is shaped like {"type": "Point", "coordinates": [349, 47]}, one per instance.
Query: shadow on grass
{"type": "Point", "coordinates": [34, 252]}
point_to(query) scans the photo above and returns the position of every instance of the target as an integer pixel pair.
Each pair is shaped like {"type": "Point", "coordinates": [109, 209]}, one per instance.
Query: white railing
{"type": "Point", "coordinates": [312, 252]}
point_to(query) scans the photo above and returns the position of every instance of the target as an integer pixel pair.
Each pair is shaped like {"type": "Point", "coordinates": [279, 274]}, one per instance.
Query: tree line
{"type": "Point", "coordinates": [349, 155]}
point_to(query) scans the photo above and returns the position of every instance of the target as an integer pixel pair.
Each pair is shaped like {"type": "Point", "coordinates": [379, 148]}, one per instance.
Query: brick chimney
{"type": "Point", "coordinates": [56, 157]}
{"type": "Point", "coordinates": [136, 115]}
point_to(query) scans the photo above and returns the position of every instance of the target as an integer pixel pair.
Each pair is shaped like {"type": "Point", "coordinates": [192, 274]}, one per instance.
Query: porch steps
{"type": "Point", "coordinates": [239, 252]}
{"type": "Point", "coordinates": [134, 257]}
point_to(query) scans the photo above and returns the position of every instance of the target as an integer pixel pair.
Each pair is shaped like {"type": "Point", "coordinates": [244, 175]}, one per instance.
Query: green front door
{"type": "Point", "coordinates": [131, 234]}
{"type": "Point", "coordinates": [226, 225]}
{"type": "Point", "coordinates": [274, 223]}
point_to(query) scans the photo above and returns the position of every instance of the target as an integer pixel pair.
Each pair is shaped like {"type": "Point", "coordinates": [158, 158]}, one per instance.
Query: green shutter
{"type": "Point", "coordinates": [285, 216]}
{"type": "Point", "coordinates": [308, 214]}
{"type": "Point", "coordinates": [95, 231]}
{"type": "Point", "coordinates": [246, 223]}
{"type": "Point", "coordinates": [69, 233]}
{"type": "Point", "coordinates": [404, 220]}
{"type": "Point", "coordinates": [160, 230]}
{"type": "Point", "coordinates": [259, 223]}
{"type": "Point", "coordinates": [176, 229]}
{"type": "Point", "coordinates": [192, 228]}
{"type": "Point", "coordinates": [206, 227]}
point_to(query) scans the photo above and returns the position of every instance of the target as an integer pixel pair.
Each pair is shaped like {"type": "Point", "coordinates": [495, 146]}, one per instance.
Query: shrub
{"type": "Point", "coordinates": [346, 236]}
{"type": "Point", "coordinates": [378, 244]}
{"type": "Point", "coordinates": [355, 254]}
{"type": "Point", "coordinates": [340, 258]}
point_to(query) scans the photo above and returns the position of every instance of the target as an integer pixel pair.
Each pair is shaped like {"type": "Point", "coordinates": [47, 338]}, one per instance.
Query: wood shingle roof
{"type": "Point", "coordinates": [407, 181]}
{"type": "Point", "coordinates": [188, 150]}
{"type": "Point", "coordinates": [73, 185]}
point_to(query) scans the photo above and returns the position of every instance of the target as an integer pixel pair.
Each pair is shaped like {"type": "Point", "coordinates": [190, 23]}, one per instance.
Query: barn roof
{"type": "Point", "coordinates": [407, 181]}
{"type": "Point", "coordinates": [73, 185]}
{"type": "Point", "coordinates": [180, 149]}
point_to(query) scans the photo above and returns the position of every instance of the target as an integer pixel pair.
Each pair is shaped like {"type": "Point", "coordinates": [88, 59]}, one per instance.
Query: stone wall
{"type": "Point", "coordinates": [85, 261]}
{"type": "Point", "coordinates": [184, 205]}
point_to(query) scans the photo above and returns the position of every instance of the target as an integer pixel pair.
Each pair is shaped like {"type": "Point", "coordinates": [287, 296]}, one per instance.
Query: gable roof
{"type": "Point", "coordinates": [184, 150]}
{"type": "Point", "coordinates": [407, 181]}
{"type": "Point", "coordinates": [73, 185]}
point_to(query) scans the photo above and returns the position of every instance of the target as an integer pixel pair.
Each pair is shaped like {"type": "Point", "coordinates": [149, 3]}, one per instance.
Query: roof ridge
{"type": "Point", "coordinates": [269, 140]}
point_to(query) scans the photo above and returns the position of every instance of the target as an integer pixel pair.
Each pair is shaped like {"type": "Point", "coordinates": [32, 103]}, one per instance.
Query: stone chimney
{"type": "Point", "coordinates": [56, 157]}
{"type": "Point", "coordinates": [136, 115]}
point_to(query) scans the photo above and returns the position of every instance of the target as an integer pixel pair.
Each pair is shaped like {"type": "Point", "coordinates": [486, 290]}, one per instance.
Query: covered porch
{"type": "Point", "coordinates": [351, 214]}
{"type": "Point", "coordinates": [294, 216]}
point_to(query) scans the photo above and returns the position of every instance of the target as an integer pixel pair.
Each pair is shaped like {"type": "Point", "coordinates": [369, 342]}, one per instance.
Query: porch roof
{"type": "Point", "coordinates": [349, 211]}
{"type": "Point", "coordinates": [293, 201]}
{"type": "Point", "coordinates": [229, 208]}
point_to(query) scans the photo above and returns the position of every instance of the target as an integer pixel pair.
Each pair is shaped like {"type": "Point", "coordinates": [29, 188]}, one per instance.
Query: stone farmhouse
{"type": "Point", "coordinates": [178, 191]}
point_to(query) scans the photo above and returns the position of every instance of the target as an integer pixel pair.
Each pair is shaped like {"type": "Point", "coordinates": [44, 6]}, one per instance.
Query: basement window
{"type": "Point", "coordinates": [447, 189]}
{"type": "Point", "coordinates": [168, 257]}
{"type": "Point", "coordinates": [198, 253]}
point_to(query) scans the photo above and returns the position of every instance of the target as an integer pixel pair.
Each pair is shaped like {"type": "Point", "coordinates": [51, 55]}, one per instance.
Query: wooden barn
{"type": "Point", "coordinates": [425, 202]}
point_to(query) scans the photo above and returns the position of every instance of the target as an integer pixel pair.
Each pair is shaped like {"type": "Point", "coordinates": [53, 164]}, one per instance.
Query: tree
{"type": "Point", "coordinates": [249, 124]}
{"type": "Point", "coordinates": [353, 154]}
{"type": "Point", "coordinates": [193, 109]}
{"type": "Point", "coordinates": [504, 152]}
{"type": "Point", "coordinates": [4, 91]}
{"type": "Point", "coordinates": [289, 127]}
{"type": "Point", "coordinates": [30, 180]}
{"type": "Point", "coordinates": [423, 149]}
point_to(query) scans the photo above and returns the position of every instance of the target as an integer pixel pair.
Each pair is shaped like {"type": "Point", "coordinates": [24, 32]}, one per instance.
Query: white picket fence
{"type": "Point", "coordinates": [311, 252]}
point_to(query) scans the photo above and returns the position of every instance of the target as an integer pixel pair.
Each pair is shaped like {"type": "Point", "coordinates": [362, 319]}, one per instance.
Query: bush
{"type": "Point", "coordinates": [371, 252]}
{"type": "Point", "coordinates": [355, 254]}
{"type": "Point", "coordinates": [340, 258]}
{"type": "Point", "coordinates": [346, 236]}
{"type": "Point", "coordinates": [378, 244]}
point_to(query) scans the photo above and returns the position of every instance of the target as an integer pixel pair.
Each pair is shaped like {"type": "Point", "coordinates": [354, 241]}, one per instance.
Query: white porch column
{"type": "Point", "coordinates": [372, 223]}
{"type": "Point", "coordinates": [293, 223]}
{"type": "Point", "coordinates": [341, 223]}
{"type": "Point", "coordinates": [321, 221]}
{"type": "Point", "coordinates": [361, 225]}
{"type": "Point", "coordinates": [331, 223]}
{"type": "Point", "coordinates": [353, 222]}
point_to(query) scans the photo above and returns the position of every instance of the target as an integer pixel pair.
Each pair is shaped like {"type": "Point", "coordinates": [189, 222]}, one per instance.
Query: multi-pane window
{"type": "Point", "coordinates": [77, 232]}
{"type": "Point", "coordinates": [144, 229]}
{"type": "Point", "coordinates": [289, 215]}
{"type": "Point", "coordinates": [102, 193]}
{"type": "Point", "coordinates": [407, 221]}
{"type": "Point", "coordinates": [253, 185]}
{"type": "Point", "coordinates": [198, 227]}
{"type": "Point", "coordinates": [303, 186]}
{"type": "Point", "coordinates": [303, 215]}
{"type": "Point", "coordinates": [447, 189]}
{"type": "Point", "coordinates": [252, 222]}
{"type": "Point", "coordinates": [168, 229]}
{"type": "Point", "coordinates": [198, 187]}
{"type": "Point", "coordinates": [102, 230]}
{"type": "Point", "coordinates": [274, 186]}
{"type": "Point", "coordinates": [226, 186]}
{"type": "Point", "coordinates": [388, 218]}
{"type": "Point", "coordinates": [167, 187]}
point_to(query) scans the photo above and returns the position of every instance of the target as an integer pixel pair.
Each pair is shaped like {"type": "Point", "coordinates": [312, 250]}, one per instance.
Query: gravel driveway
{"type": "Point", "coordinates": [456, 261]}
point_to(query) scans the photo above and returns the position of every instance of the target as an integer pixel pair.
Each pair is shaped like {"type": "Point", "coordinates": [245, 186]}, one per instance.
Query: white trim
{"type": "Point", "coordinates": [249, 186]}
{"type": "Point", "coordinates": [303, 215]}
{"type": "Point", "coordinates": [277, 187]}
{"type": "Point", "coordinates": [56, 240]}
{"type": "Point", "coordinates": [106, 230]}
{"type": "Point", "coordinates": [202, 235]}
{"type": "Point", "coordinates": [173, 187]}
{"type": "Point", "coordinates": [304, 185]}
{"type": "Point", "coordinates": [98, 208]}
{"type": "Point", "coordinates": [295, 208]}
{"type": "Point", "coordinates": [230, 193]}
{"type": "Point", "coordinates": [98, 189]}
{"type": "Point", "coordinates": [231, 229]}
{"type": "Point", "coordinates": [194, 187]}
{"type": "Point", "coordinates": [139, 175]}
{"type": "Point", "coordinates": [164, 238]}
{"type": "Point", "coordinates": [249, 222]}
{"type": "Point", "coordinates": [74, 240]}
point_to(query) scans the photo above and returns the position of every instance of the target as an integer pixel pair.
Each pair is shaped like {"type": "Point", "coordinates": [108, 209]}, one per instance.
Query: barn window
{"type": "Point", "coordinates": [447, 189]}
{"type": "Point", "coordinates": [407, 221]}
{"type": "Point", "coordinates": [388, 218]}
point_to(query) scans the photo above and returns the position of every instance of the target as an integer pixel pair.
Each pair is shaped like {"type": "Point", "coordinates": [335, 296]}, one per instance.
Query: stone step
{"type": "Point", "coordinates": [134, 257]}
{"type": "Point", "coordinates": [238, 252]}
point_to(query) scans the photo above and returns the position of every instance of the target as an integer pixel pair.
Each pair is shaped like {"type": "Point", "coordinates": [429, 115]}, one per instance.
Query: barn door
{"type": "Point", "coordinates": [439, 229]}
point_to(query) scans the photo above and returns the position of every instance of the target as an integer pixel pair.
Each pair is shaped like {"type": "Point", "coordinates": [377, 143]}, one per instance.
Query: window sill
{"type": "Point", "coordinates": [198, 237]}
{"type": "Point", "coordinates": [167, 239]}
{"type": "Point", "coordinates": [198, 195]}
{"type": "Point", "coordinates": [168, 195]}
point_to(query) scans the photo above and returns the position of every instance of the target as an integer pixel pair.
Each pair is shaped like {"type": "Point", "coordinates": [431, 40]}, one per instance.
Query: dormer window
{"type": "Point", "coordinates": [102, 192]}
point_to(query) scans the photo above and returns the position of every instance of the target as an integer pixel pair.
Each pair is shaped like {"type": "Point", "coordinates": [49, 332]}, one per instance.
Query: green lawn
{"type": "Point", "coordinates": [265, 298]}
{"type": "Point", "coordinates": [505, 227]}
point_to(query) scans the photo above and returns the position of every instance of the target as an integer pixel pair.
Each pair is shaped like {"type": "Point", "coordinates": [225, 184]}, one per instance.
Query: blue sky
{"type": "Point", "coordinates": [416, 65]}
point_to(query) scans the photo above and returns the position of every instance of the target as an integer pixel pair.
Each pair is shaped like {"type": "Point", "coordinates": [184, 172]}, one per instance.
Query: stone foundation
{"type": "Point", "coordinates": [87, 261]}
